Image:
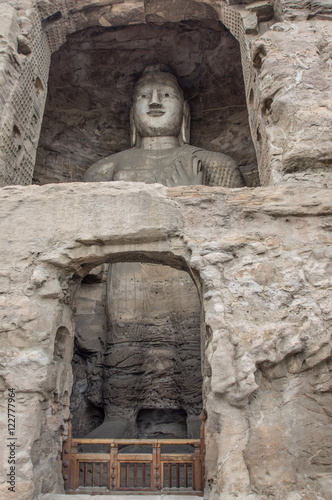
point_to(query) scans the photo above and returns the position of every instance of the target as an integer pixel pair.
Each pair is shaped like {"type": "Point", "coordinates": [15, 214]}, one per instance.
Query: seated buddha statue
{"type": "Point", "coordinates": [160, 152]}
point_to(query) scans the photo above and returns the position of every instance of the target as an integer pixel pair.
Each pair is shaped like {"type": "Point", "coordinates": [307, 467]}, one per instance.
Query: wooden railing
{"type": "Point", "coordinates": [121, 471]}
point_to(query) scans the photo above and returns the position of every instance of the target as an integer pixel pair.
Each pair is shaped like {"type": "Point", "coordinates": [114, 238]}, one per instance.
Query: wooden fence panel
{"type": "Point", "coordinates": [117, 471]}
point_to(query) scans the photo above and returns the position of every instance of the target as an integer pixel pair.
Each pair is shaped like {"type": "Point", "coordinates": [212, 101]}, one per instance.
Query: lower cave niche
{"type": "Point", "coordinates": [137, 359]}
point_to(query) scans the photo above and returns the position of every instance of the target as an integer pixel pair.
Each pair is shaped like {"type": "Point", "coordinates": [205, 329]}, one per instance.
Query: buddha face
{"type": "Point", "coordinates": [158, 106]}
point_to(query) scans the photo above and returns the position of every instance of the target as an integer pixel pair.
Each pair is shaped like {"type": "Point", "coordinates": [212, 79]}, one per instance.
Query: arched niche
{"type": "Point", "coordinates": [46, 28]}
{"type": "Point", "coordinates": [91, 83]}
{"type": "Point", "coordinates": [137, 346]}
{"type": "Point", "coordinates": [62, 345]}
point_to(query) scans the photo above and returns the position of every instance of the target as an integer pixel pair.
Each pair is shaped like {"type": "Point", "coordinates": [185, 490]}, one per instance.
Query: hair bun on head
{"type": "Point", "coordinates": [158, 72]}
{"type": "Point", "coordinates": [157, 68]}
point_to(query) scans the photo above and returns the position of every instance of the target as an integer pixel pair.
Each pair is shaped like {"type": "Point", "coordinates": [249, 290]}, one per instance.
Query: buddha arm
{"type": "Point", "coordinates": [102, 171]}
{"type": "Point", "coordinates": [220, 170]}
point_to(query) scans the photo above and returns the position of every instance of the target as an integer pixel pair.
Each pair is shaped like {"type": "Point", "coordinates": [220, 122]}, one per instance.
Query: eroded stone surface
{"type": "Point", "coordinates": [298, 145]}
{"type": "Point", "coordinates": [264, 261]}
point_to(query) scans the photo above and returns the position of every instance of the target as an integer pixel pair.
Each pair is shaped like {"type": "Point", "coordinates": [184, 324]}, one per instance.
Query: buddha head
{"type": "Point", "coordinates": [159, 108]}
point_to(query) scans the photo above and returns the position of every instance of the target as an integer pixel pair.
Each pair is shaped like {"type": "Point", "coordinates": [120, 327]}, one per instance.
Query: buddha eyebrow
{"type": "Point", "coordinates": [169, 91]}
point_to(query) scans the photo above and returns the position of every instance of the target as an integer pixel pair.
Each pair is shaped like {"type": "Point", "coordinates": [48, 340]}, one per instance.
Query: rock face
{"type": "Point", "coordinates": [263, 257]}
{"type": "Point", "coordinates": [291, 392]}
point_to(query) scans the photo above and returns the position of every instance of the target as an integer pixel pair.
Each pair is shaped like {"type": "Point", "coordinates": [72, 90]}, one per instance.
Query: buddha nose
{"type": "Point", "coordinates": [155, 99]}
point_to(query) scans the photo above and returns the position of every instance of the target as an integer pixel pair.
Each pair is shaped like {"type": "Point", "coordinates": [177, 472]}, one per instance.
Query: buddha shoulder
{"type": "Point", "coordinates": [104, 170]}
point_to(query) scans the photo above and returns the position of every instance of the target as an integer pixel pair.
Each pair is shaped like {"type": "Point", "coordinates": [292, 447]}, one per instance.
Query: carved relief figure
{"type": "Point", "coordinates": [152, 356]}
{"type": "Point", "coordinates": [160, 129]}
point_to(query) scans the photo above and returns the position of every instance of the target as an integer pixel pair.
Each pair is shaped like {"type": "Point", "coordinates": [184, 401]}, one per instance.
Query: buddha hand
{"type": "Point", "coordinates": [187, 172]}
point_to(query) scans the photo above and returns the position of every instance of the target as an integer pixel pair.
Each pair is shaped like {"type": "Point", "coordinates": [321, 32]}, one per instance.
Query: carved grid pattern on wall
{"type": "Point", "coordinates": [57, 31]}
{"type": "Point", "coordinates": [232, 19]}
{"type": "Point", "coordinates": [20, 132]}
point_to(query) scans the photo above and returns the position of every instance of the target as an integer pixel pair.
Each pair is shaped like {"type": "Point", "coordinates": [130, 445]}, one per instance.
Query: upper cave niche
{"type": "Point", "coordinates": [91, 83]}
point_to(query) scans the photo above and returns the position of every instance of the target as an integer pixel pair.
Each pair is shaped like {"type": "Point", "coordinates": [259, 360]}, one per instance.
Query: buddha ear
{"type": "Point", "coordinates": [184, 136]}
{"type": "Point", "coordinates": [133, 131]}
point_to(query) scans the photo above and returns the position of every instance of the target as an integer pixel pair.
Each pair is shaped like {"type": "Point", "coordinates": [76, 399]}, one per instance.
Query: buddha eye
{"type": "Point", "coordinates": [143, 96]}
{"type": "Point", "coordinates": [167, 94]}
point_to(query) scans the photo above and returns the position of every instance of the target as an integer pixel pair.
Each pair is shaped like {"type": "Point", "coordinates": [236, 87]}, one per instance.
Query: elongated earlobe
{"type": "Point", "coordinates": [184, 136]}
{"type": "Point", "coordinates": [133, 131]}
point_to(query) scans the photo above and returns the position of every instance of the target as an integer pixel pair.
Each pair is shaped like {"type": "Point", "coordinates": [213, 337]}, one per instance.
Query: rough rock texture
{"type": "Point", "coordinates": [263, 258]}
{"type": "Point", "coordinates": [286, 61]}
{"type": "Point", "coordinates": [295, 102]}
